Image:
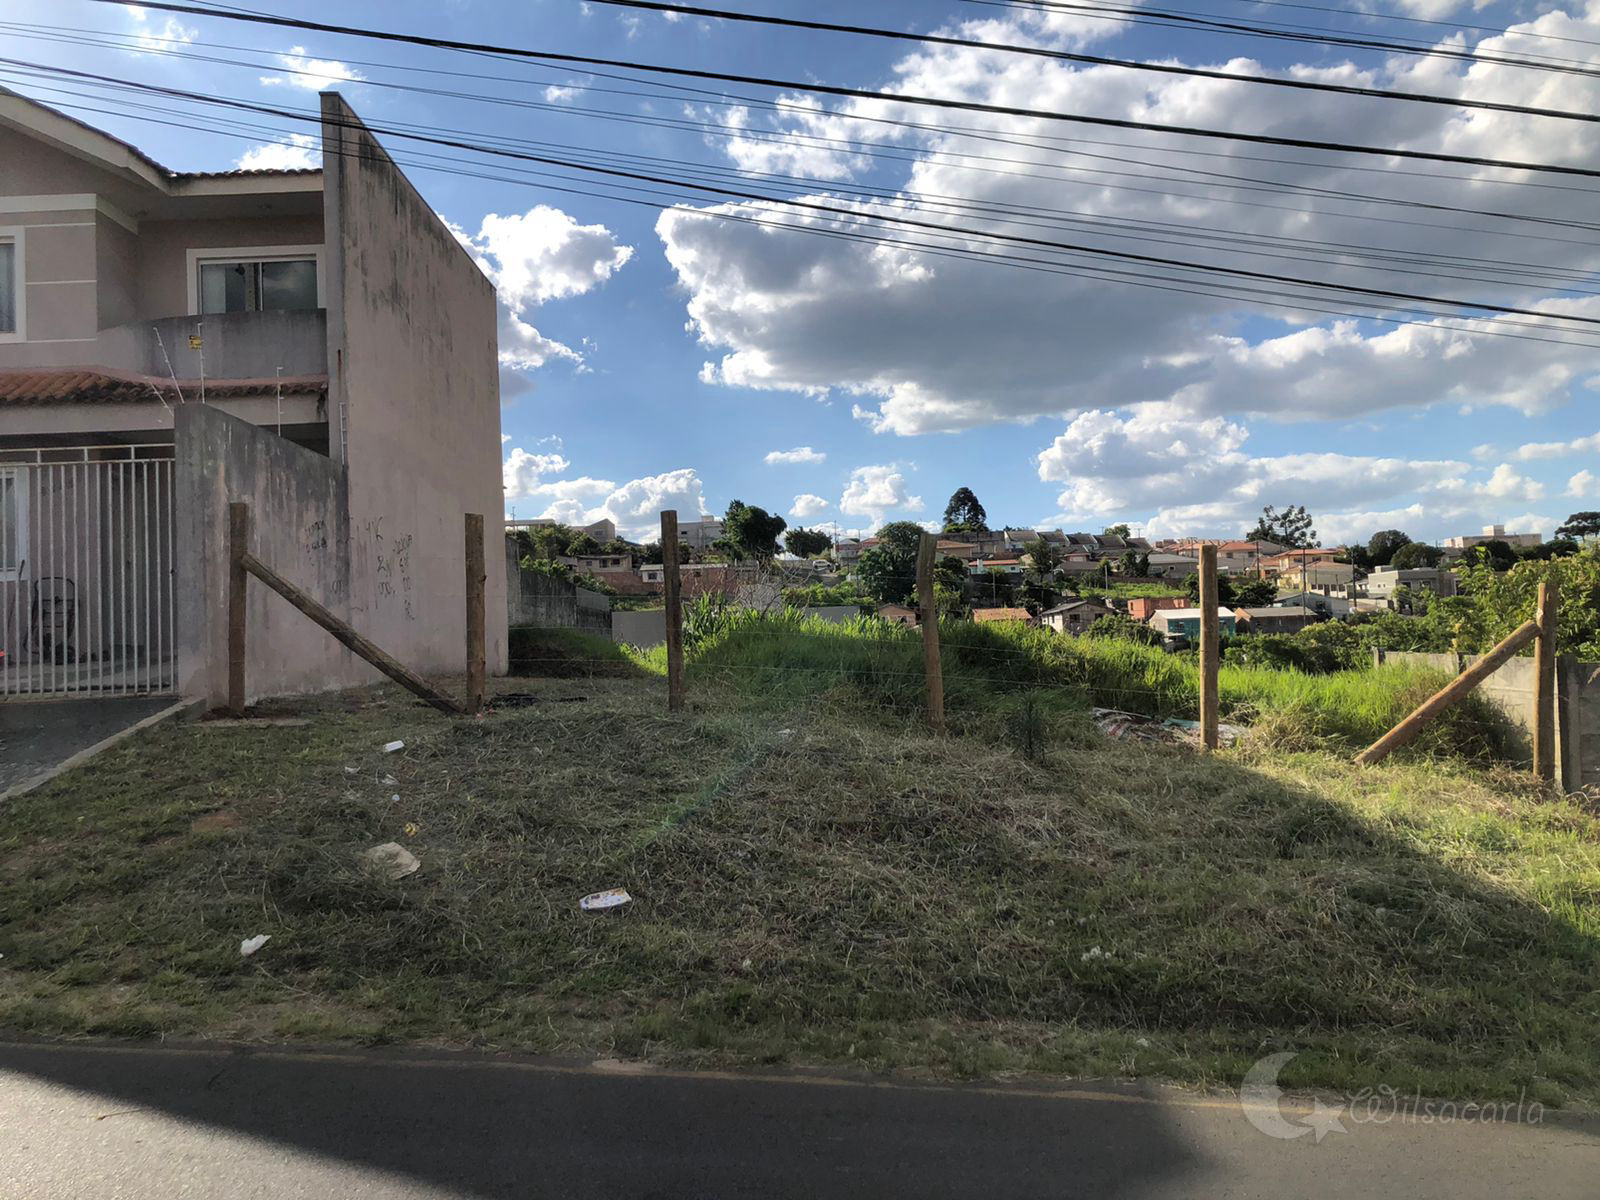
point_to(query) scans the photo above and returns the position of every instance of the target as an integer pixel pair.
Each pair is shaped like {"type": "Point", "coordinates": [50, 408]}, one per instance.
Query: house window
{"type": "Point", "coordinates": [255, 279]}
{"type": "Point", "coordinates": [11, 291]}
{"type": "Point", "coordinates": [13, 523]}
{"type": "Point", "coordinates": [284, 283]}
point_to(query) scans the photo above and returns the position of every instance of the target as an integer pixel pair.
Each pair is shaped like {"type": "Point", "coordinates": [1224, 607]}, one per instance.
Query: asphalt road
{"type": "Point", "coordinates": [141, 1123]}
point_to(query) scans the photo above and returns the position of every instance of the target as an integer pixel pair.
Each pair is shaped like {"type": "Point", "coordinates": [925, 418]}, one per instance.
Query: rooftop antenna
{"type": "Point", "coordinates": [160, 342]}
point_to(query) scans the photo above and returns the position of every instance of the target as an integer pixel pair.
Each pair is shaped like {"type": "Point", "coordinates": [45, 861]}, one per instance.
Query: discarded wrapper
{"type": "Point", "coordinates": [393, 859]}
{"type": "Point", "coordinates": [391, 747]}
{"type": "Point", "coordinates": [610, 898]}
{"type": "Point", "coordinates": [250, 945]}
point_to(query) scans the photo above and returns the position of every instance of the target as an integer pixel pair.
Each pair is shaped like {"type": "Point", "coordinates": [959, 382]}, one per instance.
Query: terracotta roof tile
{"type": "Point", "coordinates": [70, 385]}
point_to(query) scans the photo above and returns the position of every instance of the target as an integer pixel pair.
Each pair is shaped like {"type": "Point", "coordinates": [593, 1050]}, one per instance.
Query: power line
{"type": "Point", "coordinates": [1039, 142]}
{"type": "Point", "coordinates": [1214, 290]}
{"type": "Point", "coordinates": [861, 93]}
{"type": "Point", "coordinates": [816, 206]}
{"type": "Point", "coordinates": [1100, 60]}
{"type": "Point", "coordinates": [1189, 20]}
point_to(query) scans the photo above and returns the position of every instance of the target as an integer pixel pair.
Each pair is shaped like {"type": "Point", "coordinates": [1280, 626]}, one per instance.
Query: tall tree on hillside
{"type": "Point", "coordinates": [1121, 531]}
{"type": "Point", "coordinates": [1291, 527]}
{"type": "Point", "coordinates": [1043, 558]}
{"type": "Point", "coordinates": [1581, 525]}
{"type": "Point", "coordinates": [888, 571]}
{"type": "Point", "coordinates": [750, 532]}
{"type": "Point", "coordinates": [964, 514]}
{"type": "Point", "coordinates": [1382, 545]}
{"type": "Point", "coordinates": [1225, 591]}
{"type": "Point", "coordinates": [1496, 554]}
{"type": "Point", "coordinates": [1416, 554]}
{"type": "Point", "coordinates": [807, 543]}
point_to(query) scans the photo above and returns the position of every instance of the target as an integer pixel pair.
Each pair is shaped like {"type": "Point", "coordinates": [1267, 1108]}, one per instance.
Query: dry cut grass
{"type": "Point", "coordinates": [813, 881]}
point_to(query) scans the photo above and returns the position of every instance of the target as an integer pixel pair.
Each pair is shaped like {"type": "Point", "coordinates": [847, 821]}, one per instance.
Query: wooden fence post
{"type": "Point", "coordinates": [928, 618]}
{"type": "Point", "coordinates": [477, 668]}
{"type": "Point", "coordinates": [1210, 650]}
{"type": "Point", "coordinates": [1544, 686]}
{"type": "Point", "coordinates": [238, 582]}
{"type": "Point", "coordinates": [674, 615]}
{"type": "Point", "coordinates": [1449, 694]}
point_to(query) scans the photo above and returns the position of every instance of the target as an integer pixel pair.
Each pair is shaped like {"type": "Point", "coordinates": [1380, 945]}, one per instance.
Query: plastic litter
{"type": "Point", "coordinates": [393, 859]}
{"type": "Point", "coordinates": [251, 944]}
{"type": "Point", "coordinates": [391, 747]}
{"type": "Point", "coordinates": [1137, 727]}
{"type": "Point", "coordinates": [611, 898]}
{"type": "Point", "coordinates": [390, 781]}
{"type": "Point", "coordinates": [351, 771]}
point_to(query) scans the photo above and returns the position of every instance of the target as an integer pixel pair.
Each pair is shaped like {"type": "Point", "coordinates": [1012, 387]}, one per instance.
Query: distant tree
{"type": "Point", "coordinates": [620, 546]}
{"type": "Point", "coordinates": [1121, 531]}
{"type": "Point", "coordinates": [1496, 554]}
{"type": "Point", "coordinates": [750, 532]}
{"type": "Point", "coordinates": [964, 514]}
{"type": "Point", "coordinates": [651, 553]}
{"type": "Point", "coordinates": [1382, 545]}
{"type": "Point", "coordinates": [950, 572]}
{"type": "Point", "coordinates": [1581, 525]}
{"type": "Point", "coordinates": [1291, 527]}
{"type": "Point", "coordinates": [1128, 564]}
{"type": "Point", "coordinates": [1416, 554]}
{"type": "Point", "coordinates": [1255, 593]}
{"type": "Point", "coordinates": [888, 571]}
{"type": "Point", "coordinates": [1045, 558]}
{"type": "Point", "coordinates": [807, 543]}
{"type": "Point", "coordinates": [1225, 589]}
{"type": "Point", "coordinates": [995, 589]}
{"type": "Point", "coordinates": [1120, 626]}
{"type": "Point", "coordinates": [582, 544]}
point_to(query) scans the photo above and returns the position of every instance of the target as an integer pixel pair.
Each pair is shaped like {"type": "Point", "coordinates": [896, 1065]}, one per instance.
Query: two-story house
{"type": "Point", "coordinates": [315, 343]}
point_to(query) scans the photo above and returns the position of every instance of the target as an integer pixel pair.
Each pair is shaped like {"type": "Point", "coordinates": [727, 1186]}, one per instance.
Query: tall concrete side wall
{"type": "Point", "coordinates": [543, 601]}
{"type": "Point", "coordinates": [414, 405]}
{"type": "Point", "coordinates": [300, 522]}
{"type": "Point", "coordinates": [1511, 688]}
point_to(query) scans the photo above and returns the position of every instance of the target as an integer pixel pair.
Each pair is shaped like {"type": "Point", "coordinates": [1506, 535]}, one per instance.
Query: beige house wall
{"type": "Point", "coordinates": [414, 382]}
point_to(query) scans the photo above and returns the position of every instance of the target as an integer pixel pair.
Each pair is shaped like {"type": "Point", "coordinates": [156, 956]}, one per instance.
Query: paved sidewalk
{"type": "Point", "coordinates": [35, 735]}
{"type": "Point", "coordinates": [146, 1122]}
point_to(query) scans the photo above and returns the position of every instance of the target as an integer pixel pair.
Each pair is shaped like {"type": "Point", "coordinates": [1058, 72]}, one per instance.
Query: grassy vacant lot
{"type": "Point", "coordinates": [814, 880]}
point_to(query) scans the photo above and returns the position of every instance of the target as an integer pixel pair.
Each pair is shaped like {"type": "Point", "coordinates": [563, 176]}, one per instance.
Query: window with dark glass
{"type": "Point", "coordinates": [9, 287]}
{"type": "Point", "coordinates": [274, 284]}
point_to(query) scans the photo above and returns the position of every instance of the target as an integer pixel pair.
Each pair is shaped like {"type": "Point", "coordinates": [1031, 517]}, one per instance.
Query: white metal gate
{"type": "Point", "coordinates": [86, 571]}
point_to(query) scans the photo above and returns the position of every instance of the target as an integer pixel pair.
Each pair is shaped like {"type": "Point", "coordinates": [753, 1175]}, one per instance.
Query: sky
{"type": "Point", "coordinates": [664, 347]}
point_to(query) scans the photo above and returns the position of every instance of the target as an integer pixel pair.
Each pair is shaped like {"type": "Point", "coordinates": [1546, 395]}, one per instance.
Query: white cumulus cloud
{"type": "Point", "coordinates": [312, 74]}
{"type": "Point", "coordinates": [297, 154]}
{"type": "Point", "coordinates": [800, 454]}
{"type": "Point", "coordinates": [874, 492]}
{"type": "Point", "coordinates": [807, 504]}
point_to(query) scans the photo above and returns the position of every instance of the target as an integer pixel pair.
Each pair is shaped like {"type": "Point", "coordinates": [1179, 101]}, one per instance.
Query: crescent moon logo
{"type": "Point", "coordinates": [1259, 1096]}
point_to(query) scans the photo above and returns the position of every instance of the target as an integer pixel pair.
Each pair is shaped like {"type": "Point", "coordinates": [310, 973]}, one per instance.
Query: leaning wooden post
{"type": "Point", "coordinates": [476, 666]}
{"type": "Point", "coordinates": [1449, 694]}
{"type": "Point", "coordinates": [674, 589]}
{"type": "Point", "coordinates": [238, 582]}
{"type": "Point", "coordinates": [1210, 650]}
{"type": "Point", "coordinates": [928, 617]}
{"type": "Point", "coordinates": [1544, 686]}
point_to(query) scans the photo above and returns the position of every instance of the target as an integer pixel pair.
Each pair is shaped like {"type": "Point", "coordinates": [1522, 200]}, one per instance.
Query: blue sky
{"type": "Point", "coordinates": [661, 360]}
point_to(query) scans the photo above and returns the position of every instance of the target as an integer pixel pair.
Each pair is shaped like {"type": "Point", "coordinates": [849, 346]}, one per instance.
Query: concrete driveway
{"type": "Point", "coordinates": [36, 735]}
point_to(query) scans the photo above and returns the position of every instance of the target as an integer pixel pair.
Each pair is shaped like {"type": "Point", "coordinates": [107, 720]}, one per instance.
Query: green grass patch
{"type": "Point", "coordinates": [566, 653]}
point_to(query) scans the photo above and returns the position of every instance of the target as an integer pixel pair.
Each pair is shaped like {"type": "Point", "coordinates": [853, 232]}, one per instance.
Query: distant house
{"type": "Point", "coordinates": [1234, 557]}
{"type": "Point", "coordinates": [1381, 584]}
{"type": "Point", "coordinates": [899, 614]}
{"type": "Point", "coordinates": [1317, 602]}
{"type": "Point", "coordinates": [1185, 623]}
{"type": "Point", "coordinates": [1162, 565]}
{"type": "Point", "coordinates": [1290, 618]}
{"type": "Point", "coordinates": [1142, 608]}
{"type": "Point", "coordinates": [991, 615]}
{"type": "Point", "coordinates": [950, 548]}
{"type": "Point", "coordinates": [1491, 533]}
{"type": "Point", "coordinates": [1075, 616]}
{"type": "Point", "coordinates": [1010, 566]}
{"type": "Point", "coordinates": [1317, 573]}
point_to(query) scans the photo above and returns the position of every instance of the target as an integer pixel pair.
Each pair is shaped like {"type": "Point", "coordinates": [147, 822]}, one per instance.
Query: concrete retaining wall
{"type": "Point", "coordinates": [300, 527]}
{"type": "Point", "coordinates": [543, 601]}
{"type": "Point", "coordinates": [1510, 689]}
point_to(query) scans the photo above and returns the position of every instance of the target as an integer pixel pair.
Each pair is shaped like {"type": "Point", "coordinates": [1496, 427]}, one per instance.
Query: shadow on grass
{"type": "Point", "coordinates": [811, 885]}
